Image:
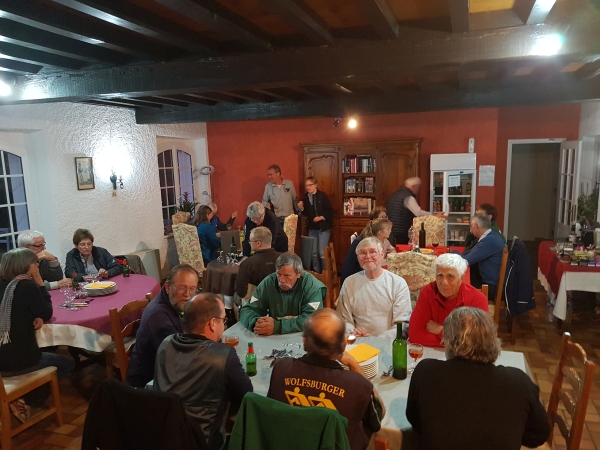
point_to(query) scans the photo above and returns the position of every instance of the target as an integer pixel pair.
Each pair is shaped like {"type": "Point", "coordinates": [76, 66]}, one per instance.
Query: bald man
{"type": "Point", "coordinates": [318, 378]}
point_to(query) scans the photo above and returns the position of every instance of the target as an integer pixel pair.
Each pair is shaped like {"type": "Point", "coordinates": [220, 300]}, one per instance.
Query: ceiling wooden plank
{"type": "Point", "coordinates": [38, 57]}
{"type": "Point", "coordinates": [19, 66]}
{"type": "Point", "coordinates": [251, 96]}
{"type": "Point", "coordinates": [140, 20]}
{"type": "Point", "coordinates": [403, 102]}
{"type": "Point", "coordinates": [192, 99]}
{"type": "Point", "coordinates": [302, 18]}
{"type": "Point", "coordinates": [380, 15]}
{"type": "Point", "coordinates": [459, 15]}
{"type": "Point", "coordinates": [533, 12]}
{"type": "Point", "coordinates": [226, 26]}
{"type": "Point", "coordinates": [219, 97]}
{"type": "Point", "coordinates": [164, 101]}
{"type": "Point", "coordinates": [106, 103]}
{"type": "Point", "coordinates": [16, 32]}
{"type": "Point", "coordinates": [327, 65]}
{"type": "Point", "coordinates": [130, 102]}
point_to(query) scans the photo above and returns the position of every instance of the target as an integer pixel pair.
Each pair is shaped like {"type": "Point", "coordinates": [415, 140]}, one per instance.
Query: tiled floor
{"type": "Point", "coordinates": [540, 343]}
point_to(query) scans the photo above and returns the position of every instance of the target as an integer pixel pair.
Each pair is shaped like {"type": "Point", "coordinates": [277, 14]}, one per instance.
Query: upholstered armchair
{"type": "Point", "coordinates": [435, 228]}
{"type": "Point", "coordinates": [290, 224]}
{"type": "Point", "coordinates": [188, 246]}
{"type": "Point", "coordinates": [180, 217]}
{"type": "Point", "coordinates": [417, 269]}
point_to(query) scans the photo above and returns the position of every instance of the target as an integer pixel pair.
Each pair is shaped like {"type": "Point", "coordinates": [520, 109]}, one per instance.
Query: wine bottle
{"type": "Point", "coordinates": [422, 236]}
{"type": "Point", "coordinates": [233, 247]}
{"type": "Point", "coordinates": [399, 354]}
{"type": "Point", "coordinates": [251, 360]}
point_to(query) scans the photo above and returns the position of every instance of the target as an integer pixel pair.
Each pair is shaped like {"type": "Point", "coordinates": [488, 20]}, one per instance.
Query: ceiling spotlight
{"type": "Point", "coordinates": [5, 89]}
{"type": "Point", "coordinates": [548, 45]}
{"type": "Point", "coordinates": [337, 121]}
{"type": "Point", "coordinates": [352, 123]}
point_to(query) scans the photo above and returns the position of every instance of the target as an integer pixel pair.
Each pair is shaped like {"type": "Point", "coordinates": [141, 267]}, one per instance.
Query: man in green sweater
{"type": "Point", "coordinates": [283, 300]}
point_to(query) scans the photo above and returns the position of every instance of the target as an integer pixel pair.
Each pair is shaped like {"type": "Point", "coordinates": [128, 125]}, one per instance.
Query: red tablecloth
{"type": "Point", "coordinates": [437, 251]}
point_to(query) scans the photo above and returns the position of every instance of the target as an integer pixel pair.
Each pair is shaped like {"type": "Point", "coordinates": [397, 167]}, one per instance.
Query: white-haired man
{"type": "Point", "coordinates": [373, 300]}
{"type": "Point", "coordinates": [50, 269]}
{"type": "Point", "coordinates": [440, 297]}
{"type": "Point", "coordinates": [259, 216]}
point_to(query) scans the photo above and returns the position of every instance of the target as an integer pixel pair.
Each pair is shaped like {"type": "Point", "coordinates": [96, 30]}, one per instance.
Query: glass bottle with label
{"type": "Point", "coordinates": [251, 360]}
{"type": "Point", "coordinates": [399, 354]}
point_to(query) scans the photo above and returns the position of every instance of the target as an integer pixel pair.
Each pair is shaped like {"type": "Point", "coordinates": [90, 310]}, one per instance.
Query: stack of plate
{"type": "Point", "coordinates": [99, 288]}
{"type": "Point", "coordinates": [367, 357]}
{"type": "Point", "coordinates": [370, 367]}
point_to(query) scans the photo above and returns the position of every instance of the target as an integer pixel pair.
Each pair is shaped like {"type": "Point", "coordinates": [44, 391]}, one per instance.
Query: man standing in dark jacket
{"type": "Point", "coordinates": [161, 318]}
{"type": "Point", "coordinates": [204, 372]}
{"type": "Point", "coordinates": [50, 269]}
{"type": "Point", "coordinates": [317, 208]}
{"type": "Point", "coordinates": [258, 216]}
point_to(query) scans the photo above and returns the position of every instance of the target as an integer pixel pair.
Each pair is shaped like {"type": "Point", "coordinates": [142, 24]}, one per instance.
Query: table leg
{"type": "Point", "coordinates": [84, 358]}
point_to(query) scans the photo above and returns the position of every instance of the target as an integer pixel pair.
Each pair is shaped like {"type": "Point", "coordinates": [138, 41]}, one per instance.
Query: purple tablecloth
{"type": "Point", "coordinates": [220, 278]}
{"type": "Point", "coordinates": [89, 327]}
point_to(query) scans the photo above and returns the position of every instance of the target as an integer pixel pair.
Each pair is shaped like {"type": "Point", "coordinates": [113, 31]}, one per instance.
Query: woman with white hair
{"type": "Point", "coordinates": [439, 298]}
{"type": "Point", "coordinates": [216, 222]}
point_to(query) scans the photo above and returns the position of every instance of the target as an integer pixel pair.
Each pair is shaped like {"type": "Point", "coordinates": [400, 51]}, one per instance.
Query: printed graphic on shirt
{"type": "Point", "coordinates": [253, 299]}
{"type": "Point", "coordinates": [295, 398]}
{"type": "Point", "coordinates": [315, 305]}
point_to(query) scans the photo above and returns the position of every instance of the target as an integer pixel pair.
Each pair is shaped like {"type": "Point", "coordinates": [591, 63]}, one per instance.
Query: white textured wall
{"type": "Point", "coordinates": [589, 124]}
{"type": "Point", "coordinates": [56, 133]}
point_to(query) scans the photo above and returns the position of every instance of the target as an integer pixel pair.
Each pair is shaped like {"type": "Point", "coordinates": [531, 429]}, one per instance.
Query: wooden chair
{"type": "Point", "coordinates": [484, 291]}
{"type": "Point", "coordinates": [331, 273]}
{"type": "Point", "coordinates": [118, 352]}
{"type": "Point", "coordinates": [13, 388]}
{"type": "Point", "coordinates": [381, 443]}
{"type": "Point", "coordinates": [498, 304]}
{"type": "Point", "coordinates": [575, 399]}
{"type": "Point", "coordinates": [323, 278]}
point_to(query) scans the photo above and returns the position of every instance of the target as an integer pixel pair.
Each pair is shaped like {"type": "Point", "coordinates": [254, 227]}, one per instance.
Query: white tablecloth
{"type": "Point", "coordinates": [394, 393]}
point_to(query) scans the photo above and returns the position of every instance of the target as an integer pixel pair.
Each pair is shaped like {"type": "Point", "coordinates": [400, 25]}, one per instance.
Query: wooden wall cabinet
{"type": "Point", "coordinates": [395, 161]}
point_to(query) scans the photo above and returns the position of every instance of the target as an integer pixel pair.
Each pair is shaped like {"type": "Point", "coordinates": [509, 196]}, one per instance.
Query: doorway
{"type": "Point", "coordinates": [531, 207]}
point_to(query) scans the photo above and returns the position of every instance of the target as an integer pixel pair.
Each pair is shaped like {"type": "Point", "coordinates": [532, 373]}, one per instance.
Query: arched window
{"type": "Point", "coordinates": [175, 173]}
{"type": "Point", "coordinates": [14, 216]}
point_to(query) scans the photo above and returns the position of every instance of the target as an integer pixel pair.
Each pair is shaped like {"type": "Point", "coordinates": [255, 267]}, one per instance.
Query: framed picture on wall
{"type": "Point", "coordinates": [84, 172]}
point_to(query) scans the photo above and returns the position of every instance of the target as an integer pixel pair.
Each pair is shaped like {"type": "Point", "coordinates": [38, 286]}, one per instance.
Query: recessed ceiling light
{"type": "Point", "coordinates": [352, 123]}
{"type": "Point", "coordinates": [548, 45]}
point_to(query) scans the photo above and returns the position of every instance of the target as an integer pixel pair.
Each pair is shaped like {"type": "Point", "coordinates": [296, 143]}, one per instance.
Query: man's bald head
{"type": "Point", "coordinates": [325, 334]}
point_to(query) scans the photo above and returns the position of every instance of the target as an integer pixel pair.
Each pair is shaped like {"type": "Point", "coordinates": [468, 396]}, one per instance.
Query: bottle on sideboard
{"type": "Point", "coordinates": [399, 354]}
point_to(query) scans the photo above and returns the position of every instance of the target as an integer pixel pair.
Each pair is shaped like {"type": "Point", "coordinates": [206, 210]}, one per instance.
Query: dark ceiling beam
{"type": "Point", "coordinates": [327, 65]}
{"type": "Point", "coordinates": [140, 20]}
{"type": "Point", "coordinates": [218, 97]}
{"type": "Point", "coordinates": [276, 94]}
{"type": "Point", "coordinates": [380, 15]}
{"type": "Point", "coordinates": [131, 103]}
{"type": "Point", "coordinates": [25, 54]}
{"type": "Point", "coordinates": [18, 33]}
{"type": "Point", "coordinates": [105, 103]}
{"type": "Point", "coordinates": [251, 96]}
{"type": "Point", "coordinates": [533, 12]}
{"type": "Point", "coordinates": [164, 101]}
{"type": "Point", "coordinates": [459, 15]}
{"type": "Point", "coordinates": [402, 102]}
{"type": "Point", "coordinates": [191, 99]}
{"type": "Point", "coordinates": [227, 26]}
{"type": "Point", "coordinates": [19, 66]}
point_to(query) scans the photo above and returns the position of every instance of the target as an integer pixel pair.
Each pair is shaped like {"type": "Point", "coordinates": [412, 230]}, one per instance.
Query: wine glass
{"type": "Point", "coordinates": [435, 246]}
{"type": "Point", "coordinates": [350, 338]}
{"type": "Point", "coordinates": [416, 352]}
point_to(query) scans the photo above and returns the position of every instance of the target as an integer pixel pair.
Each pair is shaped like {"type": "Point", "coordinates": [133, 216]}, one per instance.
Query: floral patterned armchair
{"type": "Point", "coordinates": [417, 269]}
{"type": "Point", "coordinates": [290, 224]}
{"type": "Point", "coordinates": [435, 228]}
{"type": "Point", "coordinates": [188, 246]}
{"type": "Point", "coordinates": [180, 217]}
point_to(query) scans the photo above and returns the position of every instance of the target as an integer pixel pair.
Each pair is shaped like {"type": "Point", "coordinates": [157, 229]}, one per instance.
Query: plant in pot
{"type": "Point", "coordinates": [186, 209]}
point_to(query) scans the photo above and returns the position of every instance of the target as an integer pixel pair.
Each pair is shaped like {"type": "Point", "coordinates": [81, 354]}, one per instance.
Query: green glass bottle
{"type": "Point", "coordinates": [399, 354]}
{"type": "Point", "coordinates": [233, 247]}
{"type": "Point", "coordinates": [251, 361]}
{"type": "Point", "coordinates": [126, 269]}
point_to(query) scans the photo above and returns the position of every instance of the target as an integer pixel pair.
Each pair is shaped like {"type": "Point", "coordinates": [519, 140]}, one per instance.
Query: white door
{"type": "Point", "coordinates": [568, 187]}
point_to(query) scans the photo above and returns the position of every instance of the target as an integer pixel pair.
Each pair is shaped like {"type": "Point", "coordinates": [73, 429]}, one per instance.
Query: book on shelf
{"type": "Point", "coordinates": [350, 187]}
{"type": "Point", "coordinates": [358, 206]}
{"type": "Point", "coordinates": [358, 164]}
{"type": "Point", "coordinates": [369, 185]}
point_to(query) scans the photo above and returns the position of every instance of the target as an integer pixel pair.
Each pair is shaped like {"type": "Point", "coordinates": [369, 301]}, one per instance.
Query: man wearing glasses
{"type": "Point", "coordinates": [50, 269]}
{"type": "Point", "coordinates": [161, 318]}
{"type": "Point", "coordinates": [373, 300]}
{"type": "Point", "coordinates": [204, 372]}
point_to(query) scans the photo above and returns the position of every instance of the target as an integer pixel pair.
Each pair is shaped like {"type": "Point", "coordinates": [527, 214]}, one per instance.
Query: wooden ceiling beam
{"type": "Point", "coordinates": [459, 15]}
{"type": "Point", "coordinates": [192, 99]}
{"type": "Point", "coordinates": [129, 102]}
{"type": "Point", "coordinates": [402, 102]}
{"type": "Point", "coordinates": [19, 66]}
{"type": "Point", "coordinates": [164, 101]}
{"type": "Point", "coordinates": [251, 96]}
{"type": "Point", "coordinates": [380, 15]}
{"type": "Point", "coordinates": [38, 57]}
{"type": "Point", "coordinates": [533, 12]}
{"type": "Point", "coordinates": [228, 26]}
{"type": "Point", "coordinates": [219, 97]}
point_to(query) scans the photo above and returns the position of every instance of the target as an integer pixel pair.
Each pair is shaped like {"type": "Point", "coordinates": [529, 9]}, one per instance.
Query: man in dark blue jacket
{"type": "Point", "coordinates": [161, 318]}
{"type": "Point", "coordinates": [487, 253]}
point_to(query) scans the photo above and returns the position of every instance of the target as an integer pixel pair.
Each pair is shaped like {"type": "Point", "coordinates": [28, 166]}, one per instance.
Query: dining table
{"type": "Point", "coordinates": [394, 393]}
{"type": "Point", "coordinates": [559, 277]}
{"type": "Point", "coordinates": [88, 327]}
{"type": "Point", "coordinates": [220, 277]}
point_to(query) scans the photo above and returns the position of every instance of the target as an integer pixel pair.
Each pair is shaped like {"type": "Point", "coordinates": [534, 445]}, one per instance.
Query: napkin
{"type": "Point", "coordinates": [363, 352]}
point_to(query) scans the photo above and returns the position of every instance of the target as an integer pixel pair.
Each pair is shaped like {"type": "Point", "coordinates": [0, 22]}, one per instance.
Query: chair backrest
{"type": "Point", "coordinates": [180, 217]}
{"type": "Point", "coordinates": [188, 246]}
{"type": "Point", "coordinates": [332, 273]}
{"type": "Point", "coordinates": [435, 227]}
{"type": "Point", "coordinates": [484, 290]}
{"type": "Point", "coordinates": [290, 225]}
{"type": "Point", "coordinates": [119, 333]}
{"type": "Point", "coordinates": [500, 288]}
{"type": "Point", "coordinates": [307, 244]}
{"type": "Point", "coordinates": [575, 397]}
{"type": "Point", "coordinates": [226, 237]}
{"type": "Point", "coordinates": [417, 269]}
{"type": "Point", "coordinates": [324, 278]}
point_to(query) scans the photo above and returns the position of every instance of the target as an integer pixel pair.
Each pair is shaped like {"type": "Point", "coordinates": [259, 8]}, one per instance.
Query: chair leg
{"type": "Point", "coordinates": [110, 368]}
{"type": "Point", "coordinates": [513, 326]}
{"type": "Point", "coordinates": [6, 429]}
{"type": "Point", "coordinates": [56, 399]}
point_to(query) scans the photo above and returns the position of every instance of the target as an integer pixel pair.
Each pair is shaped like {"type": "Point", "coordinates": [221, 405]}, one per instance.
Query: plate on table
{"type": "Point", "coordinates": [99, 288]}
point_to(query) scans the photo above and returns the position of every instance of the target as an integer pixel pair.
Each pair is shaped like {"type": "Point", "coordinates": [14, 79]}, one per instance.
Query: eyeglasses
{"type": "Point", "coordinates": [224, 319]}
{"type": "Point", "coordinates": [253, 240]}
{"type": "Point", "coordinates": [383, 216]}
{"type": "Point", "coordinates": [186, 290]}
{"type": "Point", "coordinates": [43, 245]}
{"type": "Point", "coordinates": [368, 253]}
{"type": "Point", "coordinates": [87, 244]}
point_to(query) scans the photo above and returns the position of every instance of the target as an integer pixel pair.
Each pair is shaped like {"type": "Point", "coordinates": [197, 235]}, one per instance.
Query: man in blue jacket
{"type": "Point", "coordinates": [487, 253]}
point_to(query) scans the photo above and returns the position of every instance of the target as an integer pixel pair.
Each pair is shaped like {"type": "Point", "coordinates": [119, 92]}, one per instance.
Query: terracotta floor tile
{"type": "Point", "coordinates": [60, 440]}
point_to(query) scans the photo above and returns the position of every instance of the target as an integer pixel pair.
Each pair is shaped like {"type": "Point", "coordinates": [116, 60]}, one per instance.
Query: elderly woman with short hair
{"type": "Point", "coordinates": [24, 306]}
{"type": "Point", "coordinates": [259, 216]}
{"type": "Point", "coordinates": [440, 297]}
{"type": "Point", "coordinates": [467, 402]}
{"type": "Point", "coordinates": [86, 258]}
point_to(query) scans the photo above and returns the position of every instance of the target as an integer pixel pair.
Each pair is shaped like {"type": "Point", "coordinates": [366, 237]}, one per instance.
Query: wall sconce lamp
{"type": "Point", "coordinates": [113, 180]}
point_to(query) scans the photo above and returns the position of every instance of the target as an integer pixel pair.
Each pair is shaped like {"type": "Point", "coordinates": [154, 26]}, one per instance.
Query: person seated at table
{"type": "Point", "coordinates": [373, 300]}
{"type": "Point", "coordinates": [216, 222]}
{"type": "Point", "coordinates": [379, 228]}
{"type": "Point", "coordinates": [283, 300]}
{"type": "Point", "coordinates": [261, 264]}
{"type": "Point", "coordinates": [209, 242]}
{"type": "Point", "coordinates": [492, 213]}
{"type": "Point", "coordinates": [380, 212]}
{"type": "Point", "coordinates": [204, 372]}
{"type": "Point", "coordinates": [467, 402]}
{"type": "Point", "coordinates": [24, 307]}
{"type": "Point", "coordinates": [486, 254]}
{"type": "Point", "coordinates": [321, 381]}
{"type": "Point", "coordinates": [161, 318]}
{"type": "Point", "coordinates": [258, 216]}
{"type": "Point", "coordinates": [50, 269]}
{"type": "Point", "coordinates": [86, 258]}
{"type": "Point", "coordinates": [439, 298]}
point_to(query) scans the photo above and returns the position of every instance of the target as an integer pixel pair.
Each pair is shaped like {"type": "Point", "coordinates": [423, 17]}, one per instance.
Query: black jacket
{"type": "Point", "coordinates": [49, 273]}
{"type": "Point", "coordinates": [518, 290]}
{"type": "Point", "coordinates": [323, 209]}
{"type": "Point", "coordinates": [102, 260]}
{"type": "Point", "coordinates": [401, 217]}
{"type": "Point", "coordinates": [279, 241]}
{"type": "Point", "coordinates": [254, 269]}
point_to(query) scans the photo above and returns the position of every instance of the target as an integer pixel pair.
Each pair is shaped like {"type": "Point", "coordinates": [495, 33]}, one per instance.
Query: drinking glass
{"type": "Point", "coordinates": [232, 340]}
{"type": "Point", "coordinates": [416, 352]}
{"type": "Point", "coordinates": [350, 338]}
